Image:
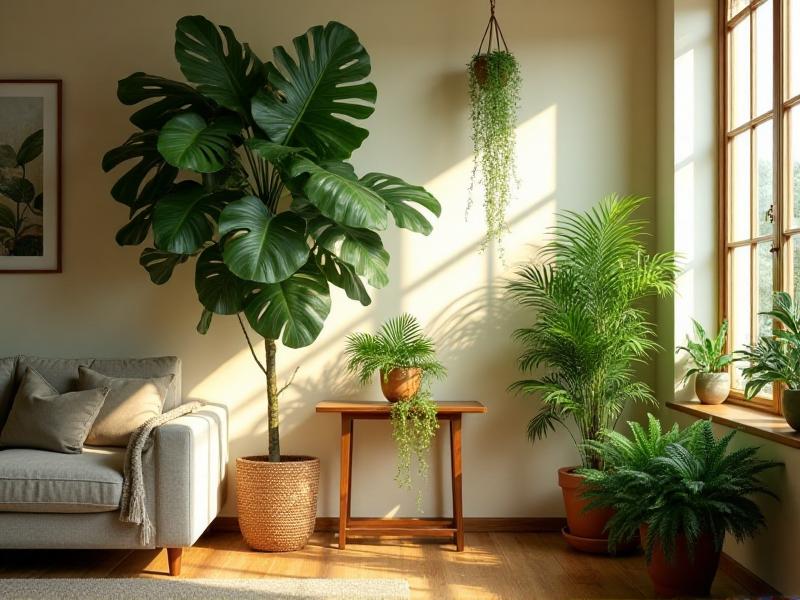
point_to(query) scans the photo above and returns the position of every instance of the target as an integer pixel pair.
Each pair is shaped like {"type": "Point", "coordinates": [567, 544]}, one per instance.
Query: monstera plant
{"type": "Point", "coordinates": [245, 170]}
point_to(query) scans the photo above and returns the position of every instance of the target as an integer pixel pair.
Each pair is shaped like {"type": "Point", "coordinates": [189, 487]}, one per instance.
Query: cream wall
{"type": "Point", "coordinates": [687, 163]}
{"type": "Point", "coordinates": [586, 128]}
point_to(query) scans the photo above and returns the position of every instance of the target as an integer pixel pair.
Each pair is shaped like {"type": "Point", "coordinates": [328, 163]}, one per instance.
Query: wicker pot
{"type": "Point", "coordinates": [277, 501]}
{"type": "Point", "coordinates": [712, 388]}
{"type": "Point", "coordinates": [400, 384]}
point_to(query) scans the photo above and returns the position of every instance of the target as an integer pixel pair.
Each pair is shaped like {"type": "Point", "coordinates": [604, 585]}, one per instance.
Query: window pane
{"type": "Point", "coordinates": [794, 165]}
{"type": "Point", "coordinates": [740, 187]}
{"type": "Point", "coordinates": [793, 7]}
{"type": "Point", "coordinates": [764, 177]}
{"type": "Point", "coordinates": [763, 58]}
{"type": "Point", "coordinates": [740, 73]}
{"type": "Point", "coordinates": [740, 305]}
{"type": "Point", "coordinates": [765, 287]}
{"type": "Point", "coordinates": [735, 6]}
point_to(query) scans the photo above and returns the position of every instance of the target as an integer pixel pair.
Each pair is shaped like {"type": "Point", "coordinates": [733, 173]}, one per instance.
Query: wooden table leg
{"type": "Point", "coordinates": [344, 477]}
{"type": "Point", "coordinates": [455, 463]}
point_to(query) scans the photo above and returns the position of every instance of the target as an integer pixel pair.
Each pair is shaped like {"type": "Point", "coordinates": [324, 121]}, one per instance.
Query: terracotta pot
{"type": "Point", "coordinates": [712, 388]}
{"type": "Point", "coordinates": [688, 575]}
{"type": "Point", "coordinates": [790, 403]}
{"type": "Point", "coordinates": [277, 501]}
{"type": "Point", "coordinates": [585, 528]}
{"type": "Point", "coordinates": [400, 384]}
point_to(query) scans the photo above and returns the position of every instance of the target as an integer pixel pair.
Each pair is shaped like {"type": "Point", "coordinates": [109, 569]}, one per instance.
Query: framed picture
{"type": "Point", "coordinates": [30, 176]}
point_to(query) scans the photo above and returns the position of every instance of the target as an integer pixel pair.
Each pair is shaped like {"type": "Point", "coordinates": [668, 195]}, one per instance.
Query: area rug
{"type": "Point", "coordinates": [191, 589]}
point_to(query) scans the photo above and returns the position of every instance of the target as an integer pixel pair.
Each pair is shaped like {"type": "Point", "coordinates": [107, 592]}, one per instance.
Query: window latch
{"type": "Point", "coordinates": [769, 216]}
{"type": "Point", "coordinates": [775, 249]}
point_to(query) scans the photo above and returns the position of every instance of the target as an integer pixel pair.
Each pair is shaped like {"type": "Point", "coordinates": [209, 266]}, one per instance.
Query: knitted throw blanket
{"type": "Point", "coordinates": [133, 508]}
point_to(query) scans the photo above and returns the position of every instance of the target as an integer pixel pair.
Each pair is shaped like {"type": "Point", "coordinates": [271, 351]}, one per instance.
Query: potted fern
{"type": "Point", "coordinates": [712, 382]}
{"type": "Point", "coordinates": [588, 330]}
{"type": "Point", "coordinates": [406, 361]}
{"type": "Point", "coordinates": [776, 359]}
{"type": "Point", "coordinates": [682, 491]}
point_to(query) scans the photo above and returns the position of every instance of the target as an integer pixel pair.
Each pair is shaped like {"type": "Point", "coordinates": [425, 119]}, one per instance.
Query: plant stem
{"type": "Point", "coordinates": [272, 403]}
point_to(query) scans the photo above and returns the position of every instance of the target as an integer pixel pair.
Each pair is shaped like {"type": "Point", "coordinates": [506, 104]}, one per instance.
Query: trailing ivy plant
{"type": "Point", "coordinates": [414, 426]}
{"type": "Point", "coordinates": [244, 168]}
{"type": "Point", "coordinates": [494, 93]}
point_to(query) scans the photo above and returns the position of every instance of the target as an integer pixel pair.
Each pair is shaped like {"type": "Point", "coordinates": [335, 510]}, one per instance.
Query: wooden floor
{"type": "Point", "coordinates": [494, 565]}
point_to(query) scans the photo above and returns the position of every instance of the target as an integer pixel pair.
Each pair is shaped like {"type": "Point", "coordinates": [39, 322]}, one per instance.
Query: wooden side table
{"type": "Point", "coordinates": [429, 527]}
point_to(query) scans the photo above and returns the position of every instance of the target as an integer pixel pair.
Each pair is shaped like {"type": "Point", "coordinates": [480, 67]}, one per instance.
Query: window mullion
{"type": "Point", "coordinates": [779, 44]}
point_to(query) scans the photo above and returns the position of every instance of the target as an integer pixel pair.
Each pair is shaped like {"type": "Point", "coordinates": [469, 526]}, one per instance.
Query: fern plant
{"type": "Point", "coordinates": [777, 358]}
{"type": "Point", "coordinates": [400, 343]}
{"type": "Point", "coordinates": [707, 354]}
{"type": "Point", "coordinates": [678, 483]}
{"type": "Point", "coordinates": [590, 326]}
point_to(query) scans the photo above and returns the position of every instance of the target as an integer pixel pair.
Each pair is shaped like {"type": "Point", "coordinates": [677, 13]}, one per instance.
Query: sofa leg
{"type": "Point", "coordinates": [174, 556]}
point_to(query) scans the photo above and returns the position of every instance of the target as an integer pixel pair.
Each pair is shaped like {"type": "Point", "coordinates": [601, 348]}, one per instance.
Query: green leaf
{"type": "Point", "coordinates": [205, 322]}
{"type": "Point", "coordinates": [218, 290]}
{"type": "Point", "coordinates": [7, 218]}
{"type": "Point", "coordinates": [184, 219]}
{"type": "Point", "coordinates": [262, 247]}
{"type": "Point", "coordinates": [135, 231]}
{"type": "Point", "coordinates": [18, 189]}
{"type": "Point", "coordinates": [361, 248]}
{"type": "Point", "coordinates": [399, 197]}
{"type": "Point", "coordinates": [270, 151]}
{"type": "Point", "coordinates": [126, 190]}
{"type": "Point", "coordinates": [174, 98]}
{"type": "Point", "coordinates": [342, 275]}
{"type": "Point", "coordinates": [324, 84]}
{"type": "Point", "coordinates": [30, 148]}
{"type": "Point", "coordinates": [293, 310]}
{"type": "Point", "coordinates": [8, 158]}
{"type": "Point", "coordinates": [188, 142]}
{"type": "Point", "coordinates": [231, 79]}
{"type": "Point", "coordinates": [340, 198]}
{"type": "Point", "coordinates": [160, 264]}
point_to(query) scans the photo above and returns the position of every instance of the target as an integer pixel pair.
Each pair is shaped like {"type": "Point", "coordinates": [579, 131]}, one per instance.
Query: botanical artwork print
{"type": "Point", "coordinates": [21, 177]}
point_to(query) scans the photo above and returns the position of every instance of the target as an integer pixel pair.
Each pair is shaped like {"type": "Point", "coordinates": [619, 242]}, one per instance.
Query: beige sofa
{"type": "Point", "coordinates": [52, 500]}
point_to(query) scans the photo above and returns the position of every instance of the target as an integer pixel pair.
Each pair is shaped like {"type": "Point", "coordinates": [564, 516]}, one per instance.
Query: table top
{"type": "Point", "coordinates": [383, 406]}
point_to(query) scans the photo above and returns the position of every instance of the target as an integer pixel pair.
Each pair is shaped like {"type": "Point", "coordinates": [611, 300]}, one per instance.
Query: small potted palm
{"type": "Point", "coordinates": [406, 361]}
{"type": "Point", "coordinates": [683, 491]}
{"type": "Point", "coordinates": [712, 382]}
{"type": "Point", "coordinates": [776, 359]}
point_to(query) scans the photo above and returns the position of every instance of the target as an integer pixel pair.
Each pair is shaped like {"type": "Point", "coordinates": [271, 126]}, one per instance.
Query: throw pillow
{"type": "Point", "coordinates": [128, 406]}
{"type": "Point", "coordinates": [43, 419]}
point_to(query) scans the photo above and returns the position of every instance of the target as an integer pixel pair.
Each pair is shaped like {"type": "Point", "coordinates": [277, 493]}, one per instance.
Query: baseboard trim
{"type": "Point", "coordinates": [471, 524]}
{"type": "Point", "coordinates": [745, 577]}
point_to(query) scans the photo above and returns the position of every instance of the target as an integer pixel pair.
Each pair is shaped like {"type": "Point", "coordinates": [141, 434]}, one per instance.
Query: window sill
{"type": "Point", "coordinates": [756, 422]}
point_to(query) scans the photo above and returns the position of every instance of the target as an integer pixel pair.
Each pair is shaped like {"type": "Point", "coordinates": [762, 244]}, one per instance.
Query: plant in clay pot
{"type": "Point", "coordinates": [776, 359]}
{"type": "Point", "coordinates": [712, 382]}
{"type": "Point", "coordinates": [589, 329]}
{"type": "Point", "coordinates": [405, 359]}
{"type": "Point", "coordinates": [682, 491]}
{"type": "Point", "coordinates": [272, 212]}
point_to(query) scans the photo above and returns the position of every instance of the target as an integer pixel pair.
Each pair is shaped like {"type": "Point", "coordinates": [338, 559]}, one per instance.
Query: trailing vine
{"type": "Point", "coordinates": [494, 92]}
{"type": "Point", "coordinates": [414, 426]}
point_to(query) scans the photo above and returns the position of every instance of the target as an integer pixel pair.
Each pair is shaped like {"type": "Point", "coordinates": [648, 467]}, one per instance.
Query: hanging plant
{"type": "Point", "coordinates": [494, 93]}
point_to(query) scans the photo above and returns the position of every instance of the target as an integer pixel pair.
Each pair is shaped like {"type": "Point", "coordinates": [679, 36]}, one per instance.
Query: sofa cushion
{"type": "Point", "coordinates": [46, 482]}
{"type": "Point", "coordinates": [7, 372]}
{"type": "Point", "coordinates": [145, 368]}
{"type": "Point", "coordinates": [61, 373]}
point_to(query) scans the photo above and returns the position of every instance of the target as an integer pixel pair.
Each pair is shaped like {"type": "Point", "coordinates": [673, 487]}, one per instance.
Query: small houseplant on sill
{"type": "Point", "coordinates": [588, 332]}
{"type": "Point", "coordinates": [271, 210]}
{"type": "Point", "coordinates": [712, 382]}
{"type": "Point", "coordinates": [682, 491]}
{"type": "Point", "coordinates": [776, 359]}
{"type": "Point", "coordinates": [405, 359]}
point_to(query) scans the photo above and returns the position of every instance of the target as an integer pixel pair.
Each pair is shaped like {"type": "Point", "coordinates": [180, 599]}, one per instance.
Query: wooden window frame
{"type": "Point", "coordinates": [781, 235]}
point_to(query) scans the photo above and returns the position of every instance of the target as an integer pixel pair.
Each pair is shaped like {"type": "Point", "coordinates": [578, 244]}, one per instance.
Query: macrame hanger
{"type": "Point", "coordinates": [494, 32]}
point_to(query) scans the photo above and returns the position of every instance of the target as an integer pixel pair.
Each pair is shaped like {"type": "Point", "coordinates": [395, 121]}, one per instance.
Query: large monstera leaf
{"type": "Point", "coordinates": [262, 247]}
{"type": "Point", "coordinates": [340, 196]}
{"type": "Point", "coordinates": [174, 98]}
{"type": "Point", "coordinates": [188, 142]}
{"type": "Point", "coordinates": [160, 264]}
{"type": "Point", "coordinates": [325, 83]}
{"type": "Point", "coordinates": [362, 249]}
{"type": "Point", "coordinates": [218, 290]}
{"type": "Point", "coordinates": [229, 78]}
{"type": "Point", "coordinates": [293, 310]}
{"type": "Point", "coordinates": [342, 275]}
{"type": "Point", "coordinates": [400, 197]}
{"type": "Point", "coordinates": [183, 220]}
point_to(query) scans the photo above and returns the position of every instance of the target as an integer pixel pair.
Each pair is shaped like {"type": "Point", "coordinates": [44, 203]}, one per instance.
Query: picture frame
{"type": "Point", "coordinates": [30, 175]}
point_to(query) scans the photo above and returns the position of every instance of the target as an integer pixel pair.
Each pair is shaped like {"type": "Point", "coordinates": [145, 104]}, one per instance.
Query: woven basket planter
{"type": "Point", "coordinates": [277, 501]}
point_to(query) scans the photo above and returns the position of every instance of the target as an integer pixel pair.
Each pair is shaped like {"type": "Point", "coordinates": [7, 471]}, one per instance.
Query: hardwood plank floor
{"type": "Point", "coordinates": [494, 565]}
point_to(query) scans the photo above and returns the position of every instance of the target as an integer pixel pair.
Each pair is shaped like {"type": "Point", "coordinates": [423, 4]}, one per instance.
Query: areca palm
{"type": "Point", "coordinates": [590, 327]}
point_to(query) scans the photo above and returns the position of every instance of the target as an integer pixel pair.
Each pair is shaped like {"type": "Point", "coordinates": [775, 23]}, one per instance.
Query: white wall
{"type": "Point", "coordinates": [687, 130]}
{"type": "Point", "coordinates": [586, 128]}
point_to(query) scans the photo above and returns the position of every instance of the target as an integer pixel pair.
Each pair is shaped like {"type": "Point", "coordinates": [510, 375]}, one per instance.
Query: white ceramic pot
{"type": "Point", "coordinates": [712, 388]}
